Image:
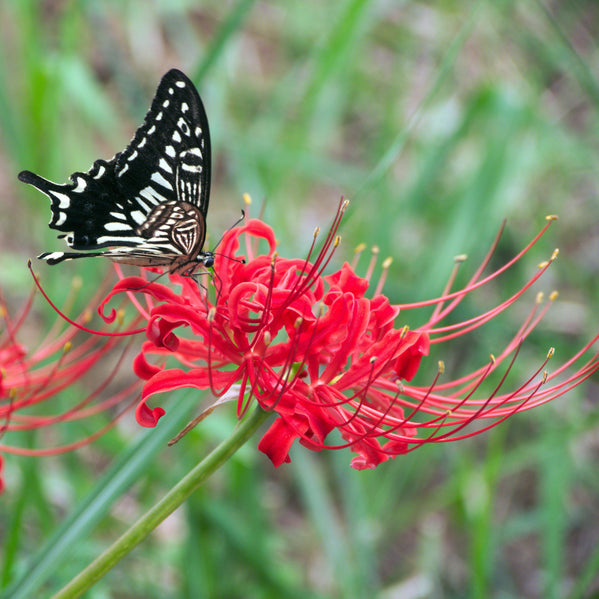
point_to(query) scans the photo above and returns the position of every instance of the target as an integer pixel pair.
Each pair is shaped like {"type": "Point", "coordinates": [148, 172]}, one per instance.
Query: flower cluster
{"type": "Point", "coordinates": [326, 355]}
{"type": "Point", "coordinates": [32, 380]}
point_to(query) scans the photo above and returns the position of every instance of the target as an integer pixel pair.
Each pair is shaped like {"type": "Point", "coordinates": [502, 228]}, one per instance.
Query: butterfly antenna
{"type": "Point", "coordinates": [239, 220]}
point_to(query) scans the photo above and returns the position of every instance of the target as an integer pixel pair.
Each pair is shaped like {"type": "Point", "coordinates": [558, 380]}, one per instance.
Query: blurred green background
{"type": "Point", "coordinates": [437, 120]}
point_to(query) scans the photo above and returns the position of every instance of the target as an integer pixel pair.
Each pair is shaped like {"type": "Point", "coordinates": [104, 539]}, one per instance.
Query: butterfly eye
{"type": "Point", "coordinates": [209, 262]}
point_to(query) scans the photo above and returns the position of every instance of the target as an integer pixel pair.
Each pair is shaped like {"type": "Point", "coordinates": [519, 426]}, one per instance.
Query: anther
{"type": "Point", "coordinates": [553, 296]}
{"type": "Point", "coordinates": [551, 217]}
{"type": "Point", "coordinates": [550, 352]}
{"type": "Point", "coordinates": [540, 297]}
{"type": "Point", "coordinates": [441, 368]}
{"type": "Point", "coordinates": [460, 258]}
{"type": "Point", "coordinates": [247, 200]}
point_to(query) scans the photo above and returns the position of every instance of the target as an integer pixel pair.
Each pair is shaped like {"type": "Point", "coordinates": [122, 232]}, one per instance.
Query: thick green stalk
{"type": "Point", "coordinates": [166, 506]}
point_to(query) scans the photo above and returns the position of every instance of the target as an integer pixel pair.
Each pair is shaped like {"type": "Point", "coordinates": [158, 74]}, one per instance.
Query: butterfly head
{"type": "Point", "coordinates": [206, 258]}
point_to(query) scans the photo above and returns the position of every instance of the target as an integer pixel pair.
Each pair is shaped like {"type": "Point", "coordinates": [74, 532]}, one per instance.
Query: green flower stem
{"type": "Point", "coordinates": [174, 498]}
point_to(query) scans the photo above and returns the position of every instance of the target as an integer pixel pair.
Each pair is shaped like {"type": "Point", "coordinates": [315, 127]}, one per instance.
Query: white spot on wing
{"type": "Point", "coordinates": [138, 216]}
{"type": "Point", "coordinates": [133, 156]}
{"type": "Point", "coordinates": [142, 204]}
{"type": "Point", "coordinates": [81, 185]}
{"type": "Point", "coordinates": [170, 151]}
{"type": "Point", "coordinates": [165, 166]}
{"type": "Point", "coordinates": [158, 178]}
{"type": "Point", "coordinates": [117, 215]}
{"type": "Point", "coordinates": [117, 227]}
{"type": "Point", "coordinates": [176, 137]}
{"type": "Point", "coordinates": [53, 256]}
{"type": "Point", "coordinates": [100, 172]}
{"type": "Point", "coordinates": [180, 83]}
{"type": "Point", "coordinates": [184, 107]}
{"type": "Point", "coordinates": [124, 170]}
{"type": "Point", "coordinates": [152, 195]}
{"type": "Point", "coordinates": [151, 129]}
{"type": "Point", "coordinates": [165, 104]}
{"type": "Point", "coordinates": [62, 217]}
{"type": "Point", "coordinates": [63, 199]}
{"type": "Point", "coordinates": [182, 124]}
{"type": "Point", "coordinates": [115, 240]}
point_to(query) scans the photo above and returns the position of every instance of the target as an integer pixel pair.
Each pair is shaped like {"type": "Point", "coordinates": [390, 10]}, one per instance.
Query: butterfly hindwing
{"type": "Point", "coordinates": [148, 204]}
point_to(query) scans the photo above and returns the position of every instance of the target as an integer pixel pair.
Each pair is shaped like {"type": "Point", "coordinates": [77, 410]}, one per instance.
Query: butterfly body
{"type": "Point", "coordinates": [146, 206]}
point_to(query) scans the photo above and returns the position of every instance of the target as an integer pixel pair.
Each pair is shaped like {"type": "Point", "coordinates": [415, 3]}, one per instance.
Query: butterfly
{"type": "Point", "coordinates": [146, 206]}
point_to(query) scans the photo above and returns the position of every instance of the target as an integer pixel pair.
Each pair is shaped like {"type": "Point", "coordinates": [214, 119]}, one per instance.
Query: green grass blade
{"type": "Point", "coordinates": [129, 467]}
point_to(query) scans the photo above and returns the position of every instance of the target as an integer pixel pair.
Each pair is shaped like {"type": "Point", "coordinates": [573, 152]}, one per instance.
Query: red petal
{"type": "Point", "coordinates": [143, 369]}
{"type": "Point", "coordinates": [277, 442]}
{"type": "Point", "coordinates": [407, 364]}
{"type": "Point", "coordinates": [146, 416]}
{"type": "Point", "coordinates": [348, 281]}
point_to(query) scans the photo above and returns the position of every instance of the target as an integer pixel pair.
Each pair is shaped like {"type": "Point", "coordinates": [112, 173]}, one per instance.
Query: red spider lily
{"type": "Point", "coordinates": [324, 355]}
{"type": "Point", "coordinates": [30, 382]}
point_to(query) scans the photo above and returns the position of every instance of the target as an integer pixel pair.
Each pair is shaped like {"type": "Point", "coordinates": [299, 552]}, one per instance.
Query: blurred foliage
{"type": "Point", "coordinates": [437, 120]}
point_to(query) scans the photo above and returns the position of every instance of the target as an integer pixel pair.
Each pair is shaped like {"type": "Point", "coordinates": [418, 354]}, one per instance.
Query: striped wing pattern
{"type": "Point", "coordinates": [148, 204]}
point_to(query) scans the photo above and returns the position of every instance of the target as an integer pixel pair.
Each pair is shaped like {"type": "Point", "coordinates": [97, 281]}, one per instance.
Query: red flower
{"type": "Point", "coordinates": [29, 379]}
{"type": "Point", "coordinates": [323, 353]}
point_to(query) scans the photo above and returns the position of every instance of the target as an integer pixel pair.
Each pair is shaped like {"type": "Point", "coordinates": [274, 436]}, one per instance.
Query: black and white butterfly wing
{"type": "Point", "coordinates": [148, 204]}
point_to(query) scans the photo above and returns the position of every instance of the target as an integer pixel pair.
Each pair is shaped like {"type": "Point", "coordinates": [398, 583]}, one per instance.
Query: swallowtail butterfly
{"type": "Point", "coordinates": [147, 206]}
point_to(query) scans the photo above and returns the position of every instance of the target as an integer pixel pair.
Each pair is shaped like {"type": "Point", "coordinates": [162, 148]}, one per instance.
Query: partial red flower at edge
{"type": "Point", "coordinates": [31, 380]}
{"type": "Point", "coordinates": [323, 355]}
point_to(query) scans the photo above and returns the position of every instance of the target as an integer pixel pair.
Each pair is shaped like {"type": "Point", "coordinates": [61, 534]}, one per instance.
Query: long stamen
{"type": "Point", "coordinates": [76, 324]}
{"type": "Point", "coordinates": [479, 283]}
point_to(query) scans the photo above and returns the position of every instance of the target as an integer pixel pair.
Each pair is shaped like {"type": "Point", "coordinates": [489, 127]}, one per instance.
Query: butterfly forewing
{"type": "Point", "coordinates": [149, 203]}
